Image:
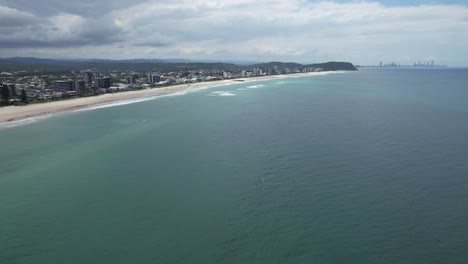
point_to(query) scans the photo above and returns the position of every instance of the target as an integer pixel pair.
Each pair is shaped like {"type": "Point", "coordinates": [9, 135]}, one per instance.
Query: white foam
{"type": "Point", "coordinates": [25, 121]}
{"type": "Point", "coordinates": [117, 103]}
{"type": "Point", "coordinates": [221, 93]}
{"type": "Point", "coordinates": [130, 101]}
{"type": "Point", "coordinates": [255, 86]}
{"type": "Point", "coordinates": [227, 94]}
{"type": "Point", "coordinates": [191, 90]}
{"type": "Point", "coordinates": [171, 94]}
{"type": "Point", "coordinates": [148, 98]}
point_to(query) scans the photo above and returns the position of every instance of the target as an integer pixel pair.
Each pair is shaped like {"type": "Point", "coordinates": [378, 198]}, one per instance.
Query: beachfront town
{"type": "Point", "coordinates": [20, 88]}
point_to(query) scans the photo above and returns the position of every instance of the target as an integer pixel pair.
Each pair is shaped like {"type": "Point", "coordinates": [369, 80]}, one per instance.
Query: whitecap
{"type": "Point", "coordinates": [227, 94]}
{"type": "Point", "coordinates": [201, 88]}
{"type": "Point", "coordinates": [255, 86]}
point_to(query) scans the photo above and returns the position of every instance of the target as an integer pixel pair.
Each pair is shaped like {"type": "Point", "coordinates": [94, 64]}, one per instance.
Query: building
{"type": "Point", "coordinates": [258, 71]}
{"type": "Point", "coordinates": [89, 77]}
{"type": "Point", "coordinates": [131, 80]}
{"type": "Point", "coordinates": [63, 86]}
{"type": "Point", "coordinates": [11, 89]}
{"type": "Point", "coordinates": [80, 87]}
{"type": "Point", "coordinates": [104, 82]}
{"type": "Point", "coordinates": [1, 89]}
{"type": "Point", "coordinates": [153, 78]}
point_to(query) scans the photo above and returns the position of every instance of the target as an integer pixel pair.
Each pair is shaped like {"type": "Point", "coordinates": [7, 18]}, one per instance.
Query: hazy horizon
{"type": "Point", "coordinates": [361, 32]}
{"type": "Point", "coordinates": [232, 61]}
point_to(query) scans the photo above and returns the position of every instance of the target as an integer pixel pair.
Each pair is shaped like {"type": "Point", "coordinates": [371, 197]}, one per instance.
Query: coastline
{"type": "Point", "coordinates": [17, 113]}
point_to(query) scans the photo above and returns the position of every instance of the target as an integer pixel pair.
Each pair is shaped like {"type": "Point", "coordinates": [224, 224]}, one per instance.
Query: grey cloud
{"type": "Point", "coordinates": [101, 29]}
{"type": "Point", "coordinates": [12, 18]}
{"type": "Point", "coordinates": [36, 27]}
{"type": "Point", "coordinates": [87, 8]}
{"type": "Point", "coordinates": [230, 29]}
{"type": "Point", "coordinates": [151, 43]}
{"type": "Point", "coordinates": [28, 31]}
{"type": "Point", "coordinates": [85, 39]}
{"type": "Point", "coordinates": [28, 24]}
{"type": "Point", "coordinates": [28, 43]}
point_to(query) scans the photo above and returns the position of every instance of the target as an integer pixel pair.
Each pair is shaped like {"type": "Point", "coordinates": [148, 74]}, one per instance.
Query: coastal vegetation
{"type": "Point", "coordinates": [49, 66]}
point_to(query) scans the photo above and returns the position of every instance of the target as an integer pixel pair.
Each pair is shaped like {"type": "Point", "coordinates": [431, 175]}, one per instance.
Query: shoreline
{"type": "Point", "coordinates": [9, 114]}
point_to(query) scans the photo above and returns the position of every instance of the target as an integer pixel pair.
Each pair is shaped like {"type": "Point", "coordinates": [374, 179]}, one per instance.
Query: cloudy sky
{"type": "Point", "coordinates": [363, 32]}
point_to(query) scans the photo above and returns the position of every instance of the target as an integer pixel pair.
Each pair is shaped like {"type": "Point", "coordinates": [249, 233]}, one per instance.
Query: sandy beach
{"type": "Point", "coordinates": [15, 113]}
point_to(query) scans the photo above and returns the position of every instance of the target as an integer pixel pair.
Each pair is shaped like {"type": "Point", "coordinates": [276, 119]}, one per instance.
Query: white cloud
{"type": "Point", "coordinates": [295, 30]}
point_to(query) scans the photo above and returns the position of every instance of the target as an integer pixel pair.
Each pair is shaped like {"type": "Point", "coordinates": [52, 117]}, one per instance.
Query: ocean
{"type": "Point", "coordinates": [357, 167]}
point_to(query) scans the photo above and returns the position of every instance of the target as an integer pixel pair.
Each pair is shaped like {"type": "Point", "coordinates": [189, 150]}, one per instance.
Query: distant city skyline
{"type": "Point", "coordinates": [362, 32]}
{"type": "Point", "coordinates": [418, 64]}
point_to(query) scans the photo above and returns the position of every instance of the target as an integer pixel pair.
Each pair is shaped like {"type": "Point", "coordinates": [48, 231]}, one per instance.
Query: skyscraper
{"type": "Point", "coordinates": [89, 77]}
{"type": "Point", "coordinates": [104, 82]}
{"type": "Point", "coordinates": [153, 78]}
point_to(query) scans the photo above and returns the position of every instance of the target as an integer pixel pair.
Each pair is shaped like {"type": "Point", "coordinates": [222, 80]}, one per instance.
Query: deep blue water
{"type": "Point", "coordinates": [360, 167]}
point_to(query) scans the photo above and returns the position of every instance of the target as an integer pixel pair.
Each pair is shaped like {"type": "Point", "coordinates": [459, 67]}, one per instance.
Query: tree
{"type": "Point", "coordinates": [5, 94]}
{"type": "Point", "coordinates": [24, 96]}
{"type": "Point", "coordinates": [48, 82]}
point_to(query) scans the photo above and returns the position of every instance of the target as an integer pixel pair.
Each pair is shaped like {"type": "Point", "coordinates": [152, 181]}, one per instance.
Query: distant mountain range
{"type": "Point", "coordinates": [164, 65]}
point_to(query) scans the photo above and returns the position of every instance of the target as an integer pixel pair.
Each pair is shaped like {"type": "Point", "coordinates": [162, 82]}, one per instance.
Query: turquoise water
{"type": "Point", "coordinates": [361, 167]}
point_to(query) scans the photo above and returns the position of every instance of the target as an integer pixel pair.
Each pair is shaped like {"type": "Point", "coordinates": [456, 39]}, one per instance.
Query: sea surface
{"type": "Point", "coordinates": [357, 167]}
